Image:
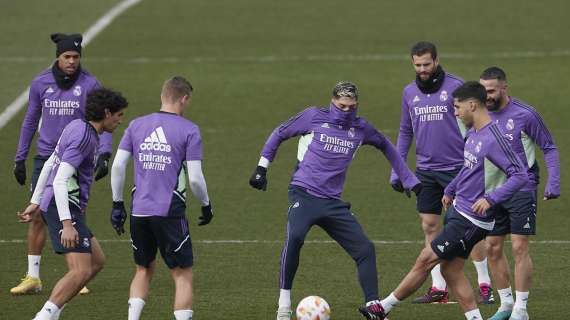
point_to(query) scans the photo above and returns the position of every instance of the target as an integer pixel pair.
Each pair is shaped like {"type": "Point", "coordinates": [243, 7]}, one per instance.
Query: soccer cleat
{"type": "Point", "coordinates": [28, 285]}
{"type": "Point", "coordinates": [501, 315]}
{"type": "Point", "coordinates": [519, 314]}
{"type": "Point", "coordinates": [374, 311]}
{"type": "Point", "coordinates": [284, 314]}
{"type": "Point", "coordinates": [486, 294]}
{"type": "Point", "coordinates": [84, 291]}
{"type": "Point", "coordinates": [433, 295]}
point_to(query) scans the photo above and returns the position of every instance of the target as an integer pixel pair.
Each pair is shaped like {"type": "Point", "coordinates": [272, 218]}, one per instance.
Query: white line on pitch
{"type": "Point", "coordinates": [13, 108]}
{"type": "Point", "coordinates": [235, 241]}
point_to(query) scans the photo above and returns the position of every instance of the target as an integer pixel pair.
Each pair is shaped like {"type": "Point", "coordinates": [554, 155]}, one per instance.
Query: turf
{"type": "Point", "coordinates": [254, 64]}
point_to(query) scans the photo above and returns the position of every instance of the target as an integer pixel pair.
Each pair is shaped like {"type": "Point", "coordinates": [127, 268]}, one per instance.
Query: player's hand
{"type": "Point", "coordinates": [550, 196]}
{"type": "Point", "coordinates": [397, 185]}
{"type": "Point", "coordinates": [446, 201]}
{"type": "Point", "coordinates": [416, 189]}
{"type": "Point", "coordinates": [69, 236]}
{"type": "Point", "coordinates": [20, 172]}
{"type": "Point", "coordinates": [207, 215]}
{"type": "Point", "coordinates": [258, 179]}
{"type": "Point", "coordinates": [481, 206]}
{"type": "Point", "coordinates": [118, 217]}
{"type": "Point", "coordinates": [28, 214]}
{"type": "Point", "coordinates": [102, 166]}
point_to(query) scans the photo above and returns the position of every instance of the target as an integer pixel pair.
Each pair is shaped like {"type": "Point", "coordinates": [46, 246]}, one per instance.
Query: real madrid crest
{"type": "Point", "coordinates": [510, 124]}
{"type": "Point", "coordinates": [351, 132]}
{"type": "Point", "coordinates": [443, 96]}
{"type": "Point", "coordinates": [77, 91]}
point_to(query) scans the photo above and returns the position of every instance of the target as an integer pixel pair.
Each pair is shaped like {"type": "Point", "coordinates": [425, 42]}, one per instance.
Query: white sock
{"type": "Point", "coordinates": [507, 300]}
{"type": "Point", "coordinates": [284, 298]}
{"type": "Point", "coordinates": [437, 279]}
{"type": "Point", "coordinates": [474, 314]}
{"type": "Point", "coordinates": [58, 313]}
{"type": "Point", "coordinates": [522, 298]}
{"type": "Point", "coordinates": [183, 314]}
{"type": "Point", "coordinates": [482, 272]}
{"type": "Point", "coordinates": [389, 302]}
{"type": "Point", "coordinates": [34, 266]}
{"type": "Point", "coordinates": [136, 306]}
{"type": "Point", "coordinates": [47, 312]}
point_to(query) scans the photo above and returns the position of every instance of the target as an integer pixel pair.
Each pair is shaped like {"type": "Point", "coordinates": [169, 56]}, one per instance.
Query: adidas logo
{"type": "Point", "coordinates": [156, 141]}
{"type": "Point", "coordinates": [440, 247]}
{"type": "Point", "coordinates": [325, 125]}
{"type": "Point", "coordinates": [49, 90]}
{"type": "Point", "coordinates": [526, 226]}
{"type": "Point", "coordinates": [416, 99]}
{"type": "Point", "coordinates": [296, 205]}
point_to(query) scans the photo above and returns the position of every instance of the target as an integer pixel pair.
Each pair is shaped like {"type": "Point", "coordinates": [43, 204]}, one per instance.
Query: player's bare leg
{"type": "Point", "coordinates": [183, 297]}
{"type": "Point", "coordinates": [523, 274]}
{"type": "Point", "coordinates": [459, 285]}
{"type": "Point", "coordinates": [479, 257]}
{"type": "Point", "coordinates": [500, 270]}
{"type": "Point", "coordinates": [438, 291]}
{"type": "Point", "coordinates": [140, 286]}
{"type": "Point", "coordinates": [36, 237]}
{"type": "Point", "coordinates": [419, 273]}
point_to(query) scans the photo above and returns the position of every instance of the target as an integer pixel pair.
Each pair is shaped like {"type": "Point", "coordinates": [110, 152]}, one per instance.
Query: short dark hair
{"type": "Point", "coordinates": [176, 87]}
{"type": "Point", "coordinates": [424, 47]}
{"type": "Point", "coordinates": [494, 73]}
{"type": "Point", "coordinates": [471, 90]}
{"type": "Point", "coordinates": [103, 99]}
{"type": "Point", "coordinates": [345, 89]}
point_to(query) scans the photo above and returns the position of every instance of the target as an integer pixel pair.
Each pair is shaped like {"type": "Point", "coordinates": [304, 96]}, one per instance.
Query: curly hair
{"type": "Point", "coordinates": [103, 99]}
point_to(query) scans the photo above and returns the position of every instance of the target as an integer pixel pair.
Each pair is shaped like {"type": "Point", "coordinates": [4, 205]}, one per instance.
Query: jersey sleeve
{"type": "Point", "coordinates": [30, 123]}
{"type": "Point", "coordinates": [538, 132]}
{"type": "Point", "coordinates": [373, 137]}
{"type": "Point", "coordinates": [502, 155]}
{"type": "Point", "coordinates": [300, 124]}
{"type": "Point", "coordinates": [80, 142]}
{"type": "Point", "coordinates": [194, 146]}
{"type": "Point", "coordinates": [405, 135]}
{"type": "Point", "coordinates": [126, 141]}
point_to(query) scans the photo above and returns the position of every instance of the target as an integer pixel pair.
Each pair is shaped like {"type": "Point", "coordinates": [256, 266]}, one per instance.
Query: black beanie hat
{"type": "Point", "coordinates": [64, 42]}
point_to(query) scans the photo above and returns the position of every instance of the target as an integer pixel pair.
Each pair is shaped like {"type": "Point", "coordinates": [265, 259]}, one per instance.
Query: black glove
{"type": "Point", "coordinates": [207, 215]}
{"type": "Point", "coordinates": [258, 179]}
{"type": "Point", "coordinates": [20, 171]}
{"type": "Point", "coordinates": [416, 189]}
{"type": "Point", "coordinates": [118, 217]}
{"type": "Point", "coordinates": [102, 166]}
{"type": "Point", "coordinates": [397, 185]}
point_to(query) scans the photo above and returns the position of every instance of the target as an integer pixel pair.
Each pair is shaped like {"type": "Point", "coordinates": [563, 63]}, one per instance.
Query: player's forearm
{"type": "Point", "coordinates": [64, 173]}
{"type": "Point", "coordinates": [26, 136]}
{"type": "Point", "coordinates": [399, 166]}
{"type": "Point", "coordinates": [272, 144]}
{"type": "Point", "coordinates": [197, 181]}
{"type": "Point", "coordinates": [42, 180]}
{"type": "Point", "coordinates": [552, 161]}
{"type": "Point", "coordinates": [514, 183]}
{"type": "Point", "coordinates": [118, 174]}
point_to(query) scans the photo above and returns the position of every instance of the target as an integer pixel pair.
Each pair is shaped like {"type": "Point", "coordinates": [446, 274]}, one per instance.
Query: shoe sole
{"type": "Point", "coordinates": [29, 292]}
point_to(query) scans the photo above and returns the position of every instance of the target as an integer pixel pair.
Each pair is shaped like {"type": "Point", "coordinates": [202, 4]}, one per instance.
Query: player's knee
{"type": "Point", "coordinates": [429, 227]}
{"type": "Point", "coordinates": [296, 239]}
{"type": "Point", "coordinates": [366, 250]}
{"type": "Point", "coordinates": [494, 250]}
{"type": "Point", "coordinates": [145, 272]}
{"type": "Point", "coordinates": [520, 250]}
{"type": "Point", "coordinates": [425, 261]}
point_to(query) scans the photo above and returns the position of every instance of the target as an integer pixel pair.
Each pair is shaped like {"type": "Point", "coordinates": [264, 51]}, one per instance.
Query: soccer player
{"type": "Point", "coordinates": [524, 129]}
{"type": "Point", "coordinates": [57, 96]}
{"type": "Point", "coordinates": [330, 139]}
{"type": "Point", "coordinates": [62, 192]}
{"type": "Point", "coordinates": [165, 147]}
{"type": "Point", "coordinates": [467, 199]}
{"type": "Point", "coordinates": [427, 114]}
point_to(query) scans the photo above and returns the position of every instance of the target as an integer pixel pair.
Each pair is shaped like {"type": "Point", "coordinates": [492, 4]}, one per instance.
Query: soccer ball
{"type": "Point", "coordinates": [313, 308]}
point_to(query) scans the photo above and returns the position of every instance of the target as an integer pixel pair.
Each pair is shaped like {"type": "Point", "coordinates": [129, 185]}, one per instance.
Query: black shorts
{"type": "Point", "coordinates": [458, 236]}
{"type": "Point", "coordinates": [516, 215]}
{"type": "Point", "coordinates": [168, 234]}
{"type": "Point", "coordinates": [433, 183]}
{"type": "Point", "coordinates": [39, 162]}
{"type": "Point", "coordinates": [55, 227]}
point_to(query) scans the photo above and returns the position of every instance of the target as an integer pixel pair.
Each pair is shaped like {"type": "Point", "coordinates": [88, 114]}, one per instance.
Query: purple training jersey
{"type": "Point", "coordinates": [486, 151]}
{"type": "Point", "coordinates": [327, 147]}
{"type": "Point", "coordinates": [525, 130]}
{"type": "Point", "coordinates": [160, 143]}
{"type": "Point", "coordinates": [78, 147]}
{"type": "Point", "coordinates": [431, 119]}
{"type": "Point", "coordinates": [56, 108]}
